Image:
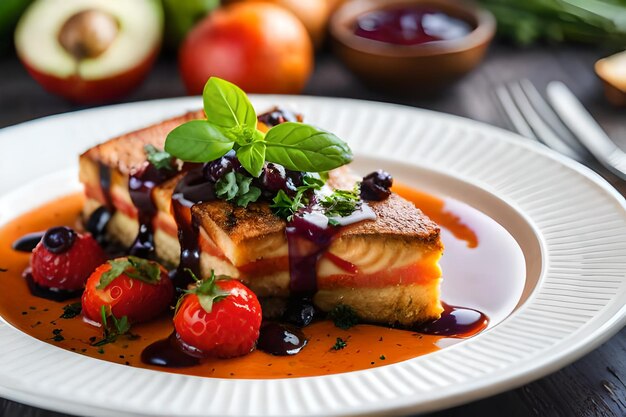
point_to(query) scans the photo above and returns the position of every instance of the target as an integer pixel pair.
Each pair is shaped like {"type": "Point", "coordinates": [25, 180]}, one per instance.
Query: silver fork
{"type": "Point", "coordinates": [563, 125]}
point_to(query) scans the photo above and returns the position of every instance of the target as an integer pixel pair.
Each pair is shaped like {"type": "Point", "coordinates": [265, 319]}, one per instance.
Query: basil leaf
{"type": "Point", "coordinates": [226, 105]}
{"type": "Point", "coordinates": [302, 147]}
{"type": "Point", "coordinates": [252, 157]}
{"type": "Point", "coordinates": [197, 141]}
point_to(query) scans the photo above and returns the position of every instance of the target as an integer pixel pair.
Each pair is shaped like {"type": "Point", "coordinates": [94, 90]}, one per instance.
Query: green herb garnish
{"type": "Point", "coordinates": [113, 329]}
{"type": "Point", "coordinates": [382, 357]}
{"type": "Point", "coordinates": [339, 344]}
{"type": "Point", "coordinates": [207, 291]}
{"type": "Point", "coordinates": [133, 267]}
{"type": "Point", "coordinates": [237, 187]}
{"type": "Point", "coordinates": [341, 203]}
{"type": "Point", "coordinates": [57, 336]}
{"type": "Point", "coordinates": [231, 123]}
{"type": "Point", "coordinates": [71, 310]}
{"type": "Point", "coordinates": [285, 206]}
{"type": "Point", "coordinates": [344, 316]}
{"type": "Point", "coordinates": [160, 159]}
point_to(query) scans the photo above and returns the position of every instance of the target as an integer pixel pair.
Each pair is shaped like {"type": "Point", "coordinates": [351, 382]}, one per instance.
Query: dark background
{"type": "Point", "coordinates": [594, 385]}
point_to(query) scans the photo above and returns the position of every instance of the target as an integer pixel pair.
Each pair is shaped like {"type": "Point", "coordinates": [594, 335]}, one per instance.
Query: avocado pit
{"type": "Point", "coordinates": [88, 34]}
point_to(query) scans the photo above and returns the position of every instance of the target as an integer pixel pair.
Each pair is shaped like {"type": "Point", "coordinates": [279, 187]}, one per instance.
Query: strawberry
{"type": "Point", "coordinates": [63, 259]}
{"type": "Point", "coordinates": [218, 318]}
{"type": "Point", "coordinates": [129, 287]}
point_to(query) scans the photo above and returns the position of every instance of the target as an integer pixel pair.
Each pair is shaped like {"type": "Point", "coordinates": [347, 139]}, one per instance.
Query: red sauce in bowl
{"type": "Point", "coordinates": [410, 26]}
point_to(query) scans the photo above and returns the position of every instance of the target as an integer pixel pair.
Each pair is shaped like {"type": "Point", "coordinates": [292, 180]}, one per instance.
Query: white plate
{"type": "Point", "coordinates": [568, 222]}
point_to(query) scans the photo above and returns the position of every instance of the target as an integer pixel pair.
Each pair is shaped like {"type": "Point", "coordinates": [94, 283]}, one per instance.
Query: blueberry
{"type": "Point", "coordinates": [300, 312]}
{"type": "Point", "coordinates": [59, 239]}
{"type": "Point", "coordinates": [215, 170]}
{"type": "Point", "coordinates": [273, 178]}
{"type": "Point", "coordinates": [376, 186]}
{"type": "Point", "coordinates": [277, 116]}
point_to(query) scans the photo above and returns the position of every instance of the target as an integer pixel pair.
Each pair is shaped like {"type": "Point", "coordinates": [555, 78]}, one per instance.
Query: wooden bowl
{"type": "Point", "coordinates": [401, 67]}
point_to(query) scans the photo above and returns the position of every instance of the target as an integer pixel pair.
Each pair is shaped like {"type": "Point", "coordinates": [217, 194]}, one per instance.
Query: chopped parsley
{"type": "Point", "coordinates": [133, 267]}
{"type": "Point", "coordinates": [71, 310]}
{"type": "Point", "coordinates": [344, 316]}
{"type": "Point", "coordinates": [339, 344]}
{"type": "Point", "coordinates": [285, 206]}
{"type": "Point", "coordinates": [160, 159]}
{"type": "Point", "coordinates": [238, 188]}
{"type": "Point", "coordinates": [113, 329]}
{"type": "Point", "coordinates": [57, 336]}
{"type": "Point", "coordinates": [341, 203]}
{"type": "Point", "coordinates": [382, 357]}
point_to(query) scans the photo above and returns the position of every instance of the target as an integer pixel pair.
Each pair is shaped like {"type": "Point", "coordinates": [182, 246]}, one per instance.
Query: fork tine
{"type": "Point", "coordinates": [550, 117]}
{"type": "Point", "coordinates": [541, 129]}
{"type": "Point", "coordinates": [512, 112]}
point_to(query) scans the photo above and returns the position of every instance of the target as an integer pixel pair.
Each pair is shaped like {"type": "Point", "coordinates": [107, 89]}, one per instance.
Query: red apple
{"type": "Point", "coordinates": [89, 51]}
{"type": "Point", "coordinates": [261, 47]}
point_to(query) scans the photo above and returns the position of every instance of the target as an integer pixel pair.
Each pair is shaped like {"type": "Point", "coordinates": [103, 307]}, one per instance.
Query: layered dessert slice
{"type": "Point", "coordinates": [383, 263]}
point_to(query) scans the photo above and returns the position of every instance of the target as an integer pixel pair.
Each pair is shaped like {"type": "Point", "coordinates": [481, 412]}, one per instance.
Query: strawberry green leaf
{"type": "Point", "coordinates": [133, 267]}
{"type": "Point", "coordinates": [208, 292]}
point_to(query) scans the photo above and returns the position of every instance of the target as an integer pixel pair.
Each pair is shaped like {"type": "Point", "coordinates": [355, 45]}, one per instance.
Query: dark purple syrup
{"type": "Point", "coordinates": [455, 322]}
{"type": "Point", "coordinates": [307, 242]}
{"type": "Point", "coordinates": [280, 339]}
{"type": "Point", "coordinates": [141, 184]}
{"type": "Point", "coordinates": [27, 242]}
{"type": "Point", "coordinates": [192, 189]}
{"type": "Point", "coordinates": [168, 352]}
{"type": "Point", "coordinates": [410, 26]}
{"type": "Point", "coordinates": [105, 185]}
{"type": "Point", "coordinates": [53, 294]}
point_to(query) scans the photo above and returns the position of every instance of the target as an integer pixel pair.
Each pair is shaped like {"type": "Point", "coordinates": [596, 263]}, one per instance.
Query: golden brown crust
{"type": "Point", "coordinates": [126, 152]}
{"type": "Point", "coordinates": [255, 221]}
{"type": "Point", "coordinates": [395, 217]}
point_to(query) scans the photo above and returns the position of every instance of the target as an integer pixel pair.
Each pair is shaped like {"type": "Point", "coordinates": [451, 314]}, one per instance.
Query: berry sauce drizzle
{"type": "Point", "coordinates": [168, 352]}
{"type": "Point", "coordinates": [27, 242]}
{"type": "Point", "coordinates": [140, 184]}
{"type": "Point", "coordinates": [105, 185]}
{"type": "Point", "coordinates": [307, 242]}
{"type": "Point", "coordinates": [48, 293]}
{"type": "Point", "coordinates": [192, 189]}
{"type": "Point", "coordinates": [455, 321]}
{"type": "Point", "coordinates": [280, 339]}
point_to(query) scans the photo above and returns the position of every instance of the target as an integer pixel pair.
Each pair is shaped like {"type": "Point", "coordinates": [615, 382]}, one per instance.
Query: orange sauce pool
{"type": "Point", "coordinates": [434, 208]}
{"type": "Point", "coordinates": [367, 346]}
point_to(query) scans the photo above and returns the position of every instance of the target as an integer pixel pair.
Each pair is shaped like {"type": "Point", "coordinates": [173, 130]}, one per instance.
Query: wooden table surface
{"type": "Point", "coordinates": [595, 385]}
